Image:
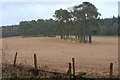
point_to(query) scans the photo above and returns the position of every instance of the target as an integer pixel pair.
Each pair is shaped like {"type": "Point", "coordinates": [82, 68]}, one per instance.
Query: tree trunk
{"type": "Point", "coordinates": [80, 39]}
{"type": "Point", "coordinates": [61, 36]}
{"type": "Point", "coordinates": [78, 36]}
{"type": "Point", "coordinates": [90, 39]}
{"type": "Point", "coordinates": [84, 39]}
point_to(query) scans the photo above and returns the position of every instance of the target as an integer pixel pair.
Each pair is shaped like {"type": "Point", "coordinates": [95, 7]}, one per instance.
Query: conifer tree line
{"type": "Point", "coordinates": [82, 21]}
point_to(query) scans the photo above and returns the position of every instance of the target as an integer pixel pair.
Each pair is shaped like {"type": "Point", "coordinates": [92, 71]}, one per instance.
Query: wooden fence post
{"type": "Point", "coordinates": [35, 61]}
{"type": "Point", "coordinates": [70, 70]}
{"type": "Point", "coordinates": [73, 61]}
{"type": "Point", "coordinates": [111, 70]}
{"type": "Point", "coordinates": [14, 64]}
{"type": "Point", "coordinates": [36, 71]}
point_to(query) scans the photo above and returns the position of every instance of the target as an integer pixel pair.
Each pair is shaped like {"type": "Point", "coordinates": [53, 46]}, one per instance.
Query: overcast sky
{"type": "Point", "coordinates": [14, 12]}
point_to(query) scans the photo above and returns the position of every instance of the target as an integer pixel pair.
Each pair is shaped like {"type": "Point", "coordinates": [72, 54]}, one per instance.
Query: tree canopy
{"type": "Point", "coordinates": [82, 19]}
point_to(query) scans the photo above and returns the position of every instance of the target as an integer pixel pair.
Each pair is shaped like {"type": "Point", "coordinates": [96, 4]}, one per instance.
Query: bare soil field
{"type": "Point", "coordinates": [55, 54]}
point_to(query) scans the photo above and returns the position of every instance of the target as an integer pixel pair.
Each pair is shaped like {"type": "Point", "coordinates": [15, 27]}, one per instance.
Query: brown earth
{"type": "Point", "coordinates": [55, 54]}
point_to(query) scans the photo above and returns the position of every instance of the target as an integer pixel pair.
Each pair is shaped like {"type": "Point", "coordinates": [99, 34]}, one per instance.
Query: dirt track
{"type": "Point", "coordinates": [55, 54]}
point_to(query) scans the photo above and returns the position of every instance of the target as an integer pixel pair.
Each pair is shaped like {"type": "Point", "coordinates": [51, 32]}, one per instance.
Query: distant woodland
{"type": "Point", "coordinates": [83, 19]}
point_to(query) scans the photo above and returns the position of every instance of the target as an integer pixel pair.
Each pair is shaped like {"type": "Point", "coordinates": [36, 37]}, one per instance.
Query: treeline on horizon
{"type": "Point", "coordinates": [83, 19]}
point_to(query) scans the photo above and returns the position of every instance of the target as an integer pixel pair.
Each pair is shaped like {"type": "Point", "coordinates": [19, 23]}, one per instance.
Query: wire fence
{"type": "Point", "coordinates": [63, 66]}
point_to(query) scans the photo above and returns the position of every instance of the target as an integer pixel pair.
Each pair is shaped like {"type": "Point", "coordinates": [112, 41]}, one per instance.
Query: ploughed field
{"type": "Point", "coordinates": [55, 54]}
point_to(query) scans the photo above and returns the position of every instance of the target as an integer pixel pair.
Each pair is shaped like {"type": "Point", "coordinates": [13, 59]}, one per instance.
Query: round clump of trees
{"type": "Point", "coordinates": [82, 21]}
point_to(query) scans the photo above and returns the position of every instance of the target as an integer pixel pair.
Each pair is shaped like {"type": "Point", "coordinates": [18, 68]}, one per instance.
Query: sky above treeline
{"type": "Point", "coordinates": [12, 12]}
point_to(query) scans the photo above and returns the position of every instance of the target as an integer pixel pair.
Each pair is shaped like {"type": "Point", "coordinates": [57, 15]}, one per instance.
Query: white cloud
{"type": "Point", "coordinates": [0, 13]}
{"type": "Point", "coordinates": [13, 12]}
{"type": "Point", "coordinates": [119, 8]}
{"type": "Point", "coordinates": [58, 0]}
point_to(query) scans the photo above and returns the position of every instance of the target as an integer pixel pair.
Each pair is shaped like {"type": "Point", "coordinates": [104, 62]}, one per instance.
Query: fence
{"type": "Point", "coordinates": [71, 68]}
